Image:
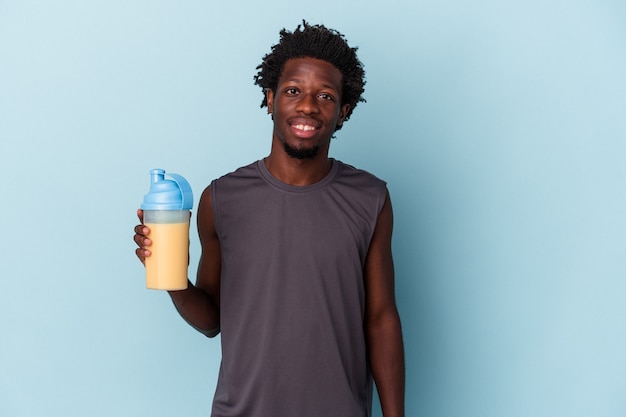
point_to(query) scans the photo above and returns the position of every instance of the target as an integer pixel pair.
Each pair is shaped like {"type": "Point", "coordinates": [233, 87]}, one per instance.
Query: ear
{"type": "Point", "coordinates": [269, 95]}
{"type": "Point", "coordinates": [343, 113]}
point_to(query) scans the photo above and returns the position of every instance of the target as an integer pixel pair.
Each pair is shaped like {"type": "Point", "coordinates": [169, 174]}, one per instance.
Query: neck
{"type": "Point", "coordinates": [294, 171]}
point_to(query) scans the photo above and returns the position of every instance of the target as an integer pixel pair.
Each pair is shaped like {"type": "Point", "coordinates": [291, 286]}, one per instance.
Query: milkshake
{"type": "Point", "coordinates": [166, 213]}
{"type": "Point", "coordinates": [166, 267]}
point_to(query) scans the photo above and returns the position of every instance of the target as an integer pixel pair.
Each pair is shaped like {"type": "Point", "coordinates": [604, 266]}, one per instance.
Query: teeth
{"type": "Point", "coordinates": [304, 127]}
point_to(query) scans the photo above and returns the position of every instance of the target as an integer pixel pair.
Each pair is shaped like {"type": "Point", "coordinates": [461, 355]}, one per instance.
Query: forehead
{"type": "Point", "coordinates": [311, 70]}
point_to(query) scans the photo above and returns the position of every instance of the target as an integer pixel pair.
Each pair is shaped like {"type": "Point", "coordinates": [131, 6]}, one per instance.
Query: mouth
{"type": "Point", "coordinates": [304, 128]}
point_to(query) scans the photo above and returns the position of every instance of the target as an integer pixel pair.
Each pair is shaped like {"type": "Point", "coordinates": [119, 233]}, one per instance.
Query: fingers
{"type": "Point", "coordinates": [142, 240]}
{"type": "Point", "coordinates": [142, 254]}
{"type": "Point", "coordinates": [140, 215]}
{"type": "Point", "coordinates": [141, 231]}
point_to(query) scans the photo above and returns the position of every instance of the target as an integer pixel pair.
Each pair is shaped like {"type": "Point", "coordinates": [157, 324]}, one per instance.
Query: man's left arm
{"type": "Point", "coordinates": [382, 323]}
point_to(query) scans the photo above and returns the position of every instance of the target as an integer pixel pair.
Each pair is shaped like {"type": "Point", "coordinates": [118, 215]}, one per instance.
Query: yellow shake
{"type": "Point", "coordinates": [166, 267]}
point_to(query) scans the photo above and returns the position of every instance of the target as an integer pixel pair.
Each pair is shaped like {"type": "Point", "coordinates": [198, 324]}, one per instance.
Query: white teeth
{"type": "Point", "coordinates": [304, 127]}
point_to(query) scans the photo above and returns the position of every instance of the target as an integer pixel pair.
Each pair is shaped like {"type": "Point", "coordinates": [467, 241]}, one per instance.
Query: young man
{"type": "Point", "coordinates": [296, 270]}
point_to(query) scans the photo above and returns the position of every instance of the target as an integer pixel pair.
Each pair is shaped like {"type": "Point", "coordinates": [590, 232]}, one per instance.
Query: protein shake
{"type": "Point", "coordinates": [166, 213]}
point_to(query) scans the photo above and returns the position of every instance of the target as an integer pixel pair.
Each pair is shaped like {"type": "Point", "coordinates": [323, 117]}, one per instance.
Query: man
{"type": "Point", "coordinates": [296, 269]}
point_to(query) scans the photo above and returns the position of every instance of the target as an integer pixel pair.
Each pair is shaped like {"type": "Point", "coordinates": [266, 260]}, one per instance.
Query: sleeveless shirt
{"type": "Point", "coordinates": [292, 292]}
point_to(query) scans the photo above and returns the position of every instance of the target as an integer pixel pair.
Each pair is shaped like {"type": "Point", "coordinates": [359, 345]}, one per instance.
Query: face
{"type": "Point", "coordinates": [306, 106]}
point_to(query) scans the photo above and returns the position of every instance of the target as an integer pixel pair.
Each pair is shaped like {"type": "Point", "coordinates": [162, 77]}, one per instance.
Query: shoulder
{"type": "Point", "coordinates": [359, 181]}
{"type": "Point", "coordinates": [351, 174]}
{"type": "Point", "coordinates": [360, 188]}
{"type": "Point", "coordinates": [239, 180]}
{"type": "Point", "coordinates": [246, 171]}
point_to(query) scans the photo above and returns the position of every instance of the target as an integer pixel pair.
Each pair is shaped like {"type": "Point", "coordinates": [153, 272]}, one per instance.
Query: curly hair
{"type": "Point", "coordinates": [314, 41]}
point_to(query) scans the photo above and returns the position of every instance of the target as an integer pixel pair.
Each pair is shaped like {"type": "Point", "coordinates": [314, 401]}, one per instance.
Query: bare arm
{"type": "Point", "coordinates": [382, 322]}
{"type": "Point", "coordinates": [199, 303]}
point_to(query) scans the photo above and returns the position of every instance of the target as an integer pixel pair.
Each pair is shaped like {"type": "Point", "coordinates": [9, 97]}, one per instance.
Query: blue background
{"type": "Point", "coordinates": [499, 126]}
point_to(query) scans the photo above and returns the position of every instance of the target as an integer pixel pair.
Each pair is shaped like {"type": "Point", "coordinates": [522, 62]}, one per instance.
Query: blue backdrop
{"type": "Point", "coordinates": [499, 126]}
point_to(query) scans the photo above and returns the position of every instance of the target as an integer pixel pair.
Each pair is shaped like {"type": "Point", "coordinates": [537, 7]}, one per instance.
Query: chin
{"type": "Point", "coordinates": [301, 153]}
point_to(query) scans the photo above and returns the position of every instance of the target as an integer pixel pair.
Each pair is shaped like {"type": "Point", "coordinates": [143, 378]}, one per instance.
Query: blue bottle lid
{"type": "Point", "coordinates": [174, 194]}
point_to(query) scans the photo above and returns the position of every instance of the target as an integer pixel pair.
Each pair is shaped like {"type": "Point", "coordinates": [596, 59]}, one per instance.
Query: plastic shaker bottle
{"type": "Point", "coordinates": [166, 212]}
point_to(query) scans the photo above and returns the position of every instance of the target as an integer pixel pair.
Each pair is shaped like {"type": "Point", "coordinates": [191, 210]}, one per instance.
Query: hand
{"type": "Point", "coordinates": [141, 239]}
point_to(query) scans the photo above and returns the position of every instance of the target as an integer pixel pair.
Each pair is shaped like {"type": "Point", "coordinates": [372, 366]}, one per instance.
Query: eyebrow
{"type": "Point", "coordinates": [299, 80]}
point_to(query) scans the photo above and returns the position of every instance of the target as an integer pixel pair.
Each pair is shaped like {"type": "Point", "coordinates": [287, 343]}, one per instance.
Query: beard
{"type": "Point", "coordinates": [301, 153]}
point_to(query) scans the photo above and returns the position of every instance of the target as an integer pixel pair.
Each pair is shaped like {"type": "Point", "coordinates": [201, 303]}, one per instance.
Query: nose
{"type": "Point", "coordinates": [307, 104]}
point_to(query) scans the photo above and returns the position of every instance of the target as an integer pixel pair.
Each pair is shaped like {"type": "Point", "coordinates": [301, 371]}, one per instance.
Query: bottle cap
{"type": "Point", "coordinates": [174, 194]}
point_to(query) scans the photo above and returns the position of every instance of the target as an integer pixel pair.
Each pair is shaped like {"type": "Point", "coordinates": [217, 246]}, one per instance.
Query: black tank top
{"type": "Point", "coordinates": [292, 293]}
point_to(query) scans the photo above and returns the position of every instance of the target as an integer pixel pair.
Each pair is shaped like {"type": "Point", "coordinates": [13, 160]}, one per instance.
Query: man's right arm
{"type": "Point", "coordinates": [199, 304]}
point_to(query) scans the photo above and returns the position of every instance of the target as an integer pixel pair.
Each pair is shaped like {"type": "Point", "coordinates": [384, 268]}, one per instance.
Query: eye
{"type": "Point", "coordinates": [326, 96]}
{"type": "Point", "coordinates": [291, 91]}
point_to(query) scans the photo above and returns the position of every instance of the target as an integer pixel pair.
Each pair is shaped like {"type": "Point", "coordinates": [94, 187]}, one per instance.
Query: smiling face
{"type": "Point", "coordinates": [306, 106]}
